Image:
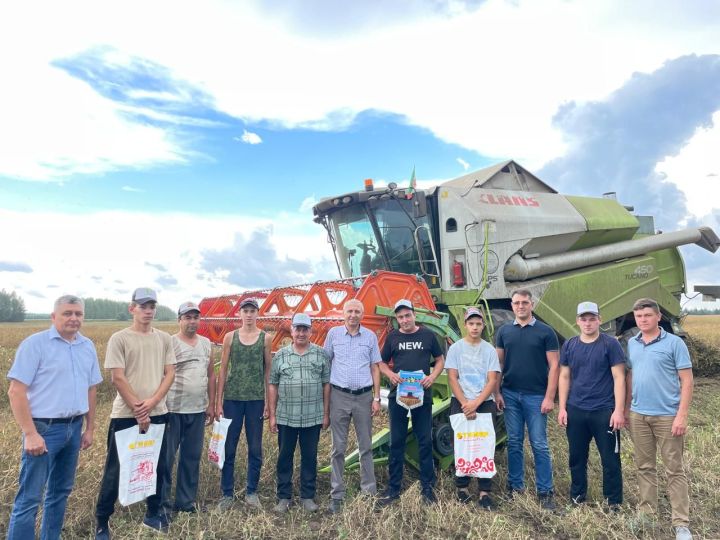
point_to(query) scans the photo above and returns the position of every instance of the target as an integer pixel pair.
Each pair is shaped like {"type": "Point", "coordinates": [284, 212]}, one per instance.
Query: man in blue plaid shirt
{"type": "Point", "coordinates": [299, 405]}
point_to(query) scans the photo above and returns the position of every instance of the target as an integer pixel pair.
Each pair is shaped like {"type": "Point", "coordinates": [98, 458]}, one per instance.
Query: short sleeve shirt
{"type": "Point", "coordinates": [592, 386]}
{"type": "Point", "coordinates": [57, 373]}
{"type": "Point", "coordinates": [189, 391]}
{"type": "Point", "coordinates": [411, 352]}
{"type": "Point", "coordinates": [143, 357]}
{"type": "Point", "coordinates": [525, 368]}
{"type": "Point", "coordinates": [655, 380]}
{"type": "Point", "coordinates": [473, 363]}
{"type": "Point", "coordinates": [351, 357]}
{"type": "Point", "coordinates": [300, 379]}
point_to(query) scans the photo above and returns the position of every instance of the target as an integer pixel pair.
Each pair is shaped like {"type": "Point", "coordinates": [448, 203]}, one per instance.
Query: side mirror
{"type": "Point", "coordinates": [419, 203]}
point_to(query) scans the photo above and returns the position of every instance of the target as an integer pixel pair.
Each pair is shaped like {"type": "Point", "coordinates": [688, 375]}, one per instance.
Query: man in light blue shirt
{"type": "Point", "coordinates": [52, 387]}
{"type": "Point", "coordinates": [354, 394]}
{"type": "Point", "coordinates": [660, 386]}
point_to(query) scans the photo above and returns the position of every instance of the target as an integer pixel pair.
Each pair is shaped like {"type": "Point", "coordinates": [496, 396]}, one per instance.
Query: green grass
{"type": "Point", "coordinates": [521, 518]}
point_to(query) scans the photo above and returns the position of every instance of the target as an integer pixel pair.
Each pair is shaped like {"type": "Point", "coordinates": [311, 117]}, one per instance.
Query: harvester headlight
{"type": "Point", "coordinates": [346, 199]}
{"type": "Point", "coordinates": [336, 202]}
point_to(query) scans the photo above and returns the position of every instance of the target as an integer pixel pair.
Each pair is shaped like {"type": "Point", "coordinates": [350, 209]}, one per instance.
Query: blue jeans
{"type": "Point", "coordinates": [251, 412]}
{"type": "Point", "coordinates": [56, 468]}
{"type": "Point", "coordinates": [524, 409]}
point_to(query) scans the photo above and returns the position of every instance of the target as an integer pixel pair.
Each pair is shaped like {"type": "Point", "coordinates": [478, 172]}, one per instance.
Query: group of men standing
{"type": "Point", "coordinates": [305, 388]}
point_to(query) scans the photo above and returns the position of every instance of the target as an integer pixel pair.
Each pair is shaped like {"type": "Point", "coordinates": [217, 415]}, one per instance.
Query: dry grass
{"type": "Point", "coordinates": [521, 518]}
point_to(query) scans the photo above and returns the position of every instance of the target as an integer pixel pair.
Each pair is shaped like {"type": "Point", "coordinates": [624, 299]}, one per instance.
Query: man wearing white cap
{"type": "Point", "coordinates": [299, 405]}
{"type": "Point", "coordinates": [190, 406]}
{"type": "Point", "coordinates": [592, 403]}
{"type": "Point", "coordinates": [411, 348]}
{"type": "Point", "coordinates": [141, 361]}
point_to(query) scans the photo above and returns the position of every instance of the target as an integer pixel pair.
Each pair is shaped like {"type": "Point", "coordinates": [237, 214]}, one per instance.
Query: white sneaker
{"type": "Point", "coordinates": [683, 533]}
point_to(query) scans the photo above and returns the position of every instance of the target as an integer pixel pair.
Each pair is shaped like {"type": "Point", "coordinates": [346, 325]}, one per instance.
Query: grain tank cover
{"type": "Point", "coordinates": [506, 175]}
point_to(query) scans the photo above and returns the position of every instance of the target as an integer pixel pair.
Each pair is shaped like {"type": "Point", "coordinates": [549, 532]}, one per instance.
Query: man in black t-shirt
{"type": "Point", "coordinates": [411, 348]}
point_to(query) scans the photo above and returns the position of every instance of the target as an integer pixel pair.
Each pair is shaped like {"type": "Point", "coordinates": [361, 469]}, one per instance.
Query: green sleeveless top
{"type": "Point", "coordinates": [246, 370]}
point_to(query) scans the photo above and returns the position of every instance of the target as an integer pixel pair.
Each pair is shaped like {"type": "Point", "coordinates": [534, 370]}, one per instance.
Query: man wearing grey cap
{"type": "Point", "coordinates": [299, 403]}
{"type": "Point", "coordinates": [190, 403]}
{"type": "Point", "coordinates": [141, 361]}
{"type": "Point", "coordinates": [592, 404]}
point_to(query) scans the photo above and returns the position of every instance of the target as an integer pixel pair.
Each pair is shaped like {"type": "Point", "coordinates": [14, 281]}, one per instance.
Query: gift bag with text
{"type": "Point", "coordinates": [474, 445]}
{"type": "Point", "coordinates": [138, 454]}
{"type": "Point", "coordinates": [216, 450]}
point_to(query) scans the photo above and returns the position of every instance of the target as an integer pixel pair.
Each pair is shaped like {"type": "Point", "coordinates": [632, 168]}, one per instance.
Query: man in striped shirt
{"type": "Point", "coordinates": [354, 394]}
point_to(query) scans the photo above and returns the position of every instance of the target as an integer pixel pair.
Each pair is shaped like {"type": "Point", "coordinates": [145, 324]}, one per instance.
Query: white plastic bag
{"type": "Point", "coordinates": [138, 454]}
{"type": "Point", "coordinates": [216, 450]}
{"type": "Point", "coordinates": [474, 445]}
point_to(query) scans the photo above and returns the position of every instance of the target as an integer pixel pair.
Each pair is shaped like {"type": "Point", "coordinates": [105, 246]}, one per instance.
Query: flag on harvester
{"type": "Point", "coordinates": [413, 186]}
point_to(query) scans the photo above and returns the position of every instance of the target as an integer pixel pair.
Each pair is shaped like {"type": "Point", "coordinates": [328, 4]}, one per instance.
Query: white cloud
{"type": "Point", "coordinates": [248, 137]}
{"type": "Point", "coordinates": [132, 189]}
{"type": "Point", "coordinates": [465, 165]}
{"type": "Point", "coordinates": [696, 169]}
{"type": "Point", "coordinates": [111, 236]}
{"type": "Point", "coordinates": [307, 203]}
{"type": "Point", "coordinates": [528, 58]}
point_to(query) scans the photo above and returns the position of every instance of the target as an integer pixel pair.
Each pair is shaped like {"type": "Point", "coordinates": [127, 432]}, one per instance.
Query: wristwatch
{"type": "Point", "coordinates": [376, 399]}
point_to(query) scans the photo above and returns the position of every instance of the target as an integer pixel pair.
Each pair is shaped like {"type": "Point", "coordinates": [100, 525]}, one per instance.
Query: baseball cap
{"type": "Point", "coordinates": [143, 294]}
{"type": "Point", "coordinates": [249, 302]}
{"type": "Point", "coordinates": [473, 312]}
{"type": "Point", "coordinates": [301, 319]}
{"type": "Point", "coordinates": [588, 307]}
{"type": "Point", "coordinates": [403, 303]}
{"type": "Point", "coordinates": [187, 307]}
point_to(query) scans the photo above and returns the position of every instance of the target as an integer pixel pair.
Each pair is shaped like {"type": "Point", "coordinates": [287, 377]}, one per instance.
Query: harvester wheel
{"type": "Point", "coordinates": [443, 439]}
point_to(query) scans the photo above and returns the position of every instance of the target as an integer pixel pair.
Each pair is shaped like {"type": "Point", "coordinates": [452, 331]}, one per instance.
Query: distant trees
{"type": "Point", "coordinates": [102, 308]}
{"type": "Point", "coordinates": [703, 311]}
{"type": "Point", "coordinates": [12, 307]}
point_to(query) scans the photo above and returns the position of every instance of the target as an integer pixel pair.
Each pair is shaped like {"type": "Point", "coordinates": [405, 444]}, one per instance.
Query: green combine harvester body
{"type": "Point", "coordinates": [476, 239]}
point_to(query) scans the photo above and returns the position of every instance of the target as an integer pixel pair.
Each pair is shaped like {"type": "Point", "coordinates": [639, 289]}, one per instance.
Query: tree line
{"type": "Point", "coordinates": [12, 307]}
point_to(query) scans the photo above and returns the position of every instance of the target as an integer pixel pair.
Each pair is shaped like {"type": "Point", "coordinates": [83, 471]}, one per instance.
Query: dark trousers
{"type": "Point", "coordinates": [251, 414]}
{"type": "Point", "coordinates": [422, 428]}
{"type": "Point", "coordinates": [462, 482]}
{"type": "Point", "coordinates": [288, 438]}
{"type": "Point", "coordinates": [581, 428]}
{"type": "Point", "coordinates": [110, 482]}
{"type": "Point", "coordinates": [186, 433]}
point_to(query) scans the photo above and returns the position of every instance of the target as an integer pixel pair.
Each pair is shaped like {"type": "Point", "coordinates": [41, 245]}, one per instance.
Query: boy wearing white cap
{"type": "Point", "coordinates": [473, 367]}
{"type": "Point", "coordinates": [592, 403]}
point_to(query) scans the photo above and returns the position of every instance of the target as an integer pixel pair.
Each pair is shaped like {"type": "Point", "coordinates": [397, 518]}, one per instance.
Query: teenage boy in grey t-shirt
{"type": "Point", "coordinates": [473, 367]}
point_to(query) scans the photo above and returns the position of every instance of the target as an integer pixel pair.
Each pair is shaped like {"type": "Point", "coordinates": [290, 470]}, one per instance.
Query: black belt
{"type": "Point", "coordinates": [51, 421]}
{"type": "Point", "coordinates": [353, 392]}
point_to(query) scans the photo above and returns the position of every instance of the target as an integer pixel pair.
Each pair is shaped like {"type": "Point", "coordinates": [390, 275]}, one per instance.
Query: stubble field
{"type": "Point", "coordinates": [516, 519]}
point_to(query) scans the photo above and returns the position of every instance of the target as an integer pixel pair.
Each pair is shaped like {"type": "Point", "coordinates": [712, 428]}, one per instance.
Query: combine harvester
{"type": "Point", "coordinates": [472, 241]}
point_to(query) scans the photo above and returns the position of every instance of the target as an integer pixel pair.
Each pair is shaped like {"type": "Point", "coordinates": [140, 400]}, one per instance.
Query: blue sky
{"type": "Point", "coordinates": [167, 149]}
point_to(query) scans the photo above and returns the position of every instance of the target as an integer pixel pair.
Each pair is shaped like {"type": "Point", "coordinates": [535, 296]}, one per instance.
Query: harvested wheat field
{"type": "Point", "coordinates": [516, 519]}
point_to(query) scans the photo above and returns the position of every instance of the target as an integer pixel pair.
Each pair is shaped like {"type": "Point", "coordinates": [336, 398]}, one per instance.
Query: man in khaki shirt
{"type": "Point", "coordinates": [142, 364]}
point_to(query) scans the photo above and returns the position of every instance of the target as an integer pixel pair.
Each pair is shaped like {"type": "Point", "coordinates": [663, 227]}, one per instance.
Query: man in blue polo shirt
{"type": "Point", "coordinates": [52, 388]}
{"type": "Point", "coordinates": [660, 387]}
{"type": "Point", "coordinates": [528, 353]}
{"type": "Point", "coordinates": [592, 403]}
